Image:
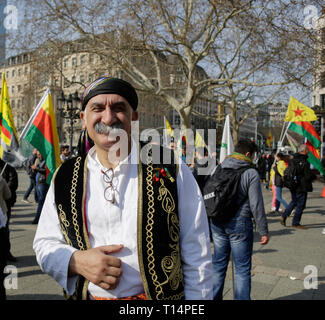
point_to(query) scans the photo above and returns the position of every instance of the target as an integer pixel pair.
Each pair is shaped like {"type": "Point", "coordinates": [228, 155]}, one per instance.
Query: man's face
{"type": "Point", "coordinates": [107, 110]}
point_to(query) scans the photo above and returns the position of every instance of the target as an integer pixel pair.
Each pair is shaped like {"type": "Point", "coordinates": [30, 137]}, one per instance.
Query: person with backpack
{"type": "Point", "coordinates": [233, 196]}
{"type": "Point", "coordinates": [298, 177]}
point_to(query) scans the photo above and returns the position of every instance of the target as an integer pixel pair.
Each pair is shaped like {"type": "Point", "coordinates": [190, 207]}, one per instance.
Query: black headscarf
{"type": "Point", "coordinates": [108, 85]}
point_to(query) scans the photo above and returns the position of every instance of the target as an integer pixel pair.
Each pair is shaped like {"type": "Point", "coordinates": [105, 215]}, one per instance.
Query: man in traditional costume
{"type": "Point", "coordinates": [120, 227]}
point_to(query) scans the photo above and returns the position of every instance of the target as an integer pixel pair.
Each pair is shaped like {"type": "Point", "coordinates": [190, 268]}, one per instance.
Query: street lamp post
{"type": "Point", "coordinates": [69, 109]}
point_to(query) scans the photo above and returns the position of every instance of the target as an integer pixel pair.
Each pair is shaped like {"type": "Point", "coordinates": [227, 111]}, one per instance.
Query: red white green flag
{"type": "Point", "coordinates": [41, 132]}
{"type": "Point", "coordinates": [307, 130]}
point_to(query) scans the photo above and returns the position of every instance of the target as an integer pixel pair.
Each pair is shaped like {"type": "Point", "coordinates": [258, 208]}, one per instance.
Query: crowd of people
{"type": "Point", "coordinates": [113, 229]}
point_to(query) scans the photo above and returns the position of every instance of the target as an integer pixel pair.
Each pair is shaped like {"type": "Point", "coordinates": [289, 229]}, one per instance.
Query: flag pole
{"type": "Point", "coordinates": [282, 129]}
{"type": "Point", "coordinates": [283, 136]}
{"type": "Point", "coordinates": [285, 132]}
{"type": "Point", "coordinates": [3, 168]}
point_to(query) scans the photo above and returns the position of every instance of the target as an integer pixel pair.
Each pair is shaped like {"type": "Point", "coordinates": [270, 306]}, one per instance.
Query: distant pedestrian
{"type": "Point", "coordinates": [279, 167]}
{"type": "Point", "coordinates": [65, 153]}
{"type": "Point", "coordinates": [41, 185]}
{"type": "Point", "coordinates": [275, 202]}
{"type": "Point", "coordinates": [261, 167]}
{"type": "Point", "coordinates": [32, 177]}
{"type": "Point", "coordinates": [304, 177]}
{"type": "Point", "coordinates": [5, 194]}
{"type": "Point", "coordinates": [236, 235]}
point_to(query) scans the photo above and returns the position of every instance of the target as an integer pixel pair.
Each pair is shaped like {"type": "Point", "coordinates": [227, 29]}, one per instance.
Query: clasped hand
{"type": "Point", "coordinates": [98, 266]}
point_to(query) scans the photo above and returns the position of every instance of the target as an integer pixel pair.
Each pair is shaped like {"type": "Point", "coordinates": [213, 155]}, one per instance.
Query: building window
{"type": "Point", "coordinates": [82, 59]}
{"type": "Point", "coordinates": [13, 73]}
{"type": "Point", "coordinates": [26, 70]}
{"type": "Point", "coordinates": [73, 79]}
{"type": "Point", "coordinates": [322, 80]}
{"type": "Point", "coordinates": [19, 88]}
{"type": "Point", "coordinates": [65, 63]}
{"type": "Point", "coordinates": [82, 78]}
{"type": "Point", "coordinates": [322, 101]}
{"type": "Point", "coordinates": [13, 89]}
{"type": "Point", "coordinates": [177, 119]}
{"type": "Point", "coordinates": [74, 61]}
{"type": "Point", "coordinates": [7, 74]}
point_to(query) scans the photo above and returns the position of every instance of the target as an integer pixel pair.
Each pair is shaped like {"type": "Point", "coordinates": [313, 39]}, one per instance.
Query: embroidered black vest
{"type": "Point", "coordinates": [158, 236]}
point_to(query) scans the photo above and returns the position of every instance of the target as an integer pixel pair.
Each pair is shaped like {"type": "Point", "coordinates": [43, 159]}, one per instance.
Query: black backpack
{"type": "Point", "coordinates": [220, 193]}
{"type": "Point", "coordinates": [291, 175]}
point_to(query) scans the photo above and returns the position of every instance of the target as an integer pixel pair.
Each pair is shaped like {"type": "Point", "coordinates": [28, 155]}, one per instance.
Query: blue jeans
{"type": "Point", "coordinates": [236, 236]}
{"type": "Point", "coordinates": [41, 194]}
{"type": "Point", "coordinates": [32, 185]}
{"type": "Point", "coordinates": [298, 201]}
{"type": "Point", "coordinates": [279, 198]}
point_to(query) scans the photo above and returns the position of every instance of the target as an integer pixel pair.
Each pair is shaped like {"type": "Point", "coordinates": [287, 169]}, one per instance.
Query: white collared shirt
{"type": "Point", "coordinates": [117, 224]}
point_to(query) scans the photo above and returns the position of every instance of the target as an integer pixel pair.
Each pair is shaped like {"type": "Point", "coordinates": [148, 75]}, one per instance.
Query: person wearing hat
{"type": "Point", "coordinates": [115, 224]}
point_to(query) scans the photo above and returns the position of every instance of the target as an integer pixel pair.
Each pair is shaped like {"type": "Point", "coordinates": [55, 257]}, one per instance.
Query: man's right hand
{"type": "Point", "coordinates": [98, 266]}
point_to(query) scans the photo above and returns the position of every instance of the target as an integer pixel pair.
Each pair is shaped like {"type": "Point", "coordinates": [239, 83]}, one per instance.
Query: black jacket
{"type": "Point", "coordinates": [305, 175]}
{"type": "Point", "coordinates": [41, 172]}
{"type": "Point", "coordinates": [11, 176]}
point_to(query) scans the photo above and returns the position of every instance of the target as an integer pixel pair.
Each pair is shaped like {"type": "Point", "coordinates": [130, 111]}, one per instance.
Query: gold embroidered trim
{"type": "Point", "coordinates": [84, 194]}
{"type": "Point", "coordinates": [171, 265]}
{"type": "Point", "coordinates": [139, 231]}
{"type": "Point", "coordinates": [64, 224]}
{"type": "Point", "coordinates": [73, 203]}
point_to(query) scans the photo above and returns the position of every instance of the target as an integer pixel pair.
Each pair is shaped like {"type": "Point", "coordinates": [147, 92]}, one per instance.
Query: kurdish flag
{"type": "Point", "coordinates": [314, 157]}
{"type": "Point", "coordinates": [307, 130]}
{"type": "Point", "coordinates": [168, 132]}
{"type": "Point", "coordinates": [299, 112]}
{"type": "Point", "coordinates": [168, 128]}
{"type": "Point", "coordinates": [269, 139]}
{"type": "Point", "coordinates": [9, 142]}
{"type": "Point", "coordinates": [199, 142]}
{"type": "Point", "coordinates": [41, 132]}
